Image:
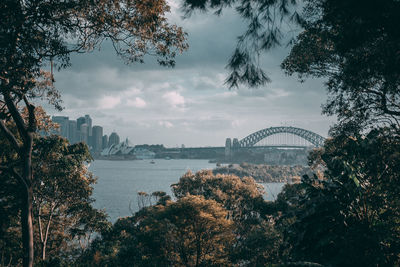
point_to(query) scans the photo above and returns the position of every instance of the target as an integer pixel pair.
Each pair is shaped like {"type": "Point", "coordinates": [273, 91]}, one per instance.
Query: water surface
{"type": "Point", "coordinates": [119, 182]}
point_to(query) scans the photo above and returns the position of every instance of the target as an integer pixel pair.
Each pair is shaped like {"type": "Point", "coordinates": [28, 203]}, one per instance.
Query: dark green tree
{"type": "Point", "coordinates": [350, 215]}
{"type": "Point", "coordinates": [355, 47]}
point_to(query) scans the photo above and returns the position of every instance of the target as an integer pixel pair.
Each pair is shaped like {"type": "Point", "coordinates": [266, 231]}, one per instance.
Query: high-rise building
{"type": "Point", "coordinates": [81, 130]}
{"type": "Point", "coordinates": [105, 141]}
{"type": "Point", "coordinates": [84, 133]}
{"type": "Point", "coordinates": [73, 132]}
{"type": "Point", "coordinates": [63, 122]}
{"type": "Point", "coordinates": [114, 139]}
{"type": "Point", "coordinates": [79, 122]}
{"type": "Point", "coordinates": [97, 138]}
{"type": "Point", "coordinates": [89, 124]}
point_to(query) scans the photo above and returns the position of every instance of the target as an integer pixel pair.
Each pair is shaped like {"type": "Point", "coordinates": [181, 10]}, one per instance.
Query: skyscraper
{"type": "Point", "coordinates": [89, 124]}
{"type": "Point", "coordinates": [80, 121]}
{"type": "Point", "coordinates": [105, 141]}
{"type": "Point", "coordinates": [63, 122]}
{"type": "Point", "coordinates": [84, 133]}
{"type": "Point", "coordinates": [81, 130]}
{"type": "Point", "coordinates": [114, 139]}
{"type": "Point", "coordinates": [97, 138]}
{"type": "Point", "coordinates": [73, 132]}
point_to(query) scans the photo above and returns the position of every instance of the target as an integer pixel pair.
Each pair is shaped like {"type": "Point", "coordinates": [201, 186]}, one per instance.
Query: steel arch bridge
{"type": "Point", "coordinates": [252, 139]}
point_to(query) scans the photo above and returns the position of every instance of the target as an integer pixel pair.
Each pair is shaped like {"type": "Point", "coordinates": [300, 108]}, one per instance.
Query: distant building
{"type": "Point", "coordinates": [88, 121]}
{"type": "Point", "coordinates": [105, 141]}
{"type": "Point", "coordinates": [123, 148]}
{"type": "Point", "coordinates": [126, 149]}
{"type": "Point", "coordinates": [72, 132]}
{"type": "Point", "coordinates": [81, 130]}
{"type": "Point", "coordinates": [84, 133]}
{"type": "Point", "coordinates": [113, 139]}
{"type": "Point", "coordinates": [79, 122]}
{"type": "Point", "coordinates": [142, 153]}
{"type": "Point", "coordinates": [97, 138]}
{"type": "Point", "coordinates": [63, 122]}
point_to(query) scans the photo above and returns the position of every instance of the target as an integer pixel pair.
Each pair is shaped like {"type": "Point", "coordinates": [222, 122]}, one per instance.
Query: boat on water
{"type": "Point", "coordinates": [152, 162]}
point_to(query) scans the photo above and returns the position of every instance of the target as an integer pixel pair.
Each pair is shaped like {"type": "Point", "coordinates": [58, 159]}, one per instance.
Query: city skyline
{"type": "Point", "coordinates": [83, 130]}
{"type": "Point", "coordinates": [189, 104]}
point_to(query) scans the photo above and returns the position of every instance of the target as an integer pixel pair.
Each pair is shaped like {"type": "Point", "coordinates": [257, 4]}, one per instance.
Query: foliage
{"type": "Point", "coordinates": [192, 231]}
{"type": "Point", "coordinates": [266, 21]}
{"type": "Point", "coordinates": [62, 211]}
{"type": "Point", "coordinates": [351, 216]}
{"type": "Point", "coordinates": [256, 241]}
{"type": "Point", "coordinates": [217, 220]}
{"type": "Point", "coordinates": [356, 48]}
{"type": "Point", "coordinates": [353, 45]}
{"type": "Point", "coordinates": [264, 173]}
{"type": "Point", "coordinates": [34, 34]}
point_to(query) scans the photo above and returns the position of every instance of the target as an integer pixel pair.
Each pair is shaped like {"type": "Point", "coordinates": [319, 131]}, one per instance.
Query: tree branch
{"type": "Point", "coordinates": [13, 172]}
{"type": "Point", "coordinates": [31, 112]}
{"type": "Point", "coordinates": [10, 136]}
{"type": "Point", "coordinates": [386, 109]}
{"type": "Point", "coordinates": [16, 115]}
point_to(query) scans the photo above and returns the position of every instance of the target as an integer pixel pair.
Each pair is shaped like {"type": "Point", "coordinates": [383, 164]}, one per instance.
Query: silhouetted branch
{"type": "Point", "coordinates": [10, 136]}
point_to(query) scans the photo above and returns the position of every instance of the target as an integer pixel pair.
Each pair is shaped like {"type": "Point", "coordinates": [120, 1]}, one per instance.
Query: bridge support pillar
{"type": "Point", "coordinates": [228, 149]}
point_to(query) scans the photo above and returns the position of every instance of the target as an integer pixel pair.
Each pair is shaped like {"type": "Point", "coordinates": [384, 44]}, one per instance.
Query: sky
{"type": "Point", "coordinates": [188, 104]}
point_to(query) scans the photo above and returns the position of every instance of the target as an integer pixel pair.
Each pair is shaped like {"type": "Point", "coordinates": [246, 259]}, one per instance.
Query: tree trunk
{"type": "Point", "coordinates": [26, 131]}
{"type": "Point", "coordinates": [44, 244]}
{"type": "Point", "coordinates": [27, 228]}
{"type": "Point", "coordinates": [26, 213]}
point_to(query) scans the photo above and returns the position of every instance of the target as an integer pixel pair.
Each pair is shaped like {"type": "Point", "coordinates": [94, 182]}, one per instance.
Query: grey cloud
{"type": "Point", "coordinates": [188, 104]}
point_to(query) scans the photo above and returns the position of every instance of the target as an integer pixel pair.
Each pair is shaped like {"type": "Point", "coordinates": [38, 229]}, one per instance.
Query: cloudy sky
{"type": "Point", "coordinates": [188, 104]}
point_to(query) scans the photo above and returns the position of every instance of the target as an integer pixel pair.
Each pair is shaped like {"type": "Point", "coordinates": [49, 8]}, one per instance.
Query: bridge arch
{"type": "Point", "coordinates": [254, 138]}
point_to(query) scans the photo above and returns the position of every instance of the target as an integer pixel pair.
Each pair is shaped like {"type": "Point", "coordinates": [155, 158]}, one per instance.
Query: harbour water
{"type": "Point", "coordinates": [119, 182]}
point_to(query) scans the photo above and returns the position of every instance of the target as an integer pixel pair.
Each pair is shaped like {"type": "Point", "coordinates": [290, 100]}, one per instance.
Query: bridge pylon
{"type": "Point", "coordinates": [228, 149]}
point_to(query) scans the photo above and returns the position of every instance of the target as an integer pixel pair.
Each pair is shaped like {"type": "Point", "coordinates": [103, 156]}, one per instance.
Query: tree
{"type": "Point", "coordinates": [356, 48]}
{"type": "Point", "coordinates": [267, 21]}
{"type": "Point", "coordinates": [62, 211]}
{"type": "Point", "coordinates": [256, 240]}
{"type": "Point", "coordinates": [37, 33]}
{"type": "Point", "coordinates": [62, 190]}
{"type": "Point", "coordinates": [11, 192]}
{"type": "Point", "coordinates": [192, 231]}
{"type": "Point", "coordinates": [350, 216]}
{"type": "Point", "coordinates": [197, 232]}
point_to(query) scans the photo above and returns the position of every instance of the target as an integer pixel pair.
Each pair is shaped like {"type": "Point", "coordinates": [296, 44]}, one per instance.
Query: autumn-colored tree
{"type": "Point", "coordinates": [192, 231]}
{"type": "Point", "coordinates": [256, 240]}
{"type": "Point", "coordinates": [34, 34]}
{"type": "Point", "coordinates": [62, 195]}
{"type": "Point", "coordinates": [197, 232]}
